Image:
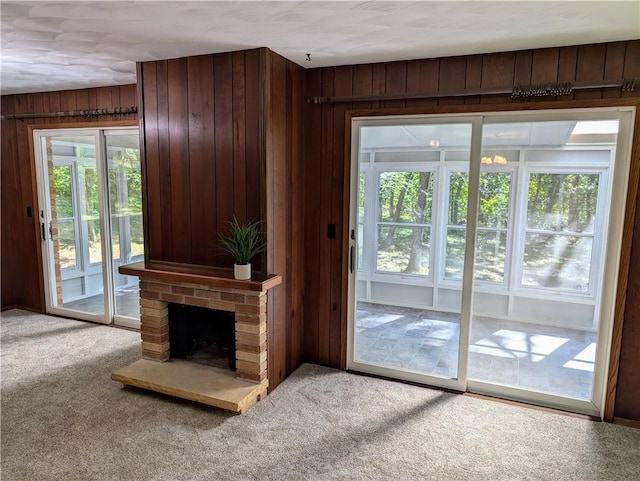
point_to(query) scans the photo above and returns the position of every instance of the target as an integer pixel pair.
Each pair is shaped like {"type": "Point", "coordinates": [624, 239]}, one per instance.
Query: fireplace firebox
{"type": "Point", "coordinates": [202, 335]}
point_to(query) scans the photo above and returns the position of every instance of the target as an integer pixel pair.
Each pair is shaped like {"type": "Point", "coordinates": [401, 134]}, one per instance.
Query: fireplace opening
{"type": "Point", "coordinates": [205, 336]}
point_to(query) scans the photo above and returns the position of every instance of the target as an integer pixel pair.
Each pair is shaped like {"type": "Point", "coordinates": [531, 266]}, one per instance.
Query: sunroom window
{"type": "Point", "coordinates": [404, 222]}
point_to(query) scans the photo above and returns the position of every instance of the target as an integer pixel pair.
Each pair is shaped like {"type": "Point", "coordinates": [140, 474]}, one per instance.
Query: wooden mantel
{"type": "Point", "coordinates": [208, 276]}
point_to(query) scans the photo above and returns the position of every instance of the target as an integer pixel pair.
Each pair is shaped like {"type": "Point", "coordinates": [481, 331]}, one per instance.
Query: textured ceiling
{"type": "Point", "coordinates": [65, 45]}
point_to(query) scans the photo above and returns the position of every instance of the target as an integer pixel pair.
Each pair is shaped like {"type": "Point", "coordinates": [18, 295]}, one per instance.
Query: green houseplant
{"type": "Point", "coordinates": [243, 241]}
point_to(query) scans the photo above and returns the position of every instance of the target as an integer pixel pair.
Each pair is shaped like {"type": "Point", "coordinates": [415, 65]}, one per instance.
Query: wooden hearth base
{"type": "Point", "coordinates": [204, 384]}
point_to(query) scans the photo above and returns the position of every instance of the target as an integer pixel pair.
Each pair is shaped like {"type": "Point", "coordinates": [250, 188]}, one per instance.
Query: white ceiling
{"type": "Point", "coordinates": [49, 45]}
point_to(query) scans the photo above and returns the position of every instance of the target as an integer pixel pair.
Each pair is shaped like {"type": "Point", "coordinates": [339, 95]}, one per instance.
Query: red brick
{"type": "Point", "coordinates": [249, 318]}
{"type": "Point", "coordinates": [251, 328]}
{"type": "Point", "coordinates": [156, 338]}
{"type": "Point", "coordinates": [249, 309]}
{"type": "Point", "coordinates": [153, 321]}
{"type": "Point", "coordinates": [196, 301]}
{"type": "Point", "coordinates": [249, 376]}
{"type": "Point", "coordinates": [149, 295]}
{"type": "Point", "coordinates": [145, 328]}
{"type": "Point", "coordinates": [175, 298]}
{"type": "Point", "coordinates": [256, 301]}
{"type": "Point", "coordinates": [249, 338]}
{"type": "Point", "coordinates": [229, 297]}
{"type": "Point", "coordinates": [155, 356]}
{"type": "Point", "coordinates": [185, 291]}
{"type": "Point", "coordinates": [152, 303]}
{"type": "Point", "coordinates": [207, 294]}
{"type": "Point", "coordinates": [158, 287]}
{"type": "Point", "coordinates": [252, 367]}
{"type": "Point", "coordinates": [241, 346]}
{"type": "Point", "coordinates": [222, 306]}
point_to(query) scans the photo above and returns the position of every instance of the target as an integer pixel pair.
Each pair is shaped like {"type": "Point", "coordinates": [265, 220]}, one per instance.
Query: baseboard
{"type": "Point", "coordinates": [6, 308]}
{"type": "Point", "coordinates": [632, 423]}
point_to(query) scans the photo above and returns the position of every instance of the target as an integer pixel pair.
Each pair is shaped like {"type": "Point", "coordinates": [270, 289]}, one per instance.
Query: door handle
{"type": "Point", "coordinates": [352, 255]}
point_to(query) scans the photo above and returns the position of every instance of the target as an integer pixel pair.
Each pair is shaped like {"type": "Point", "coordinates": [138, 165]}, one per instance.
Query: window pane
{"type": "Point", "coordinates": [562, 202]}
{"type": "Point", "coordinates": [403, 249]}
{"type": "Point", "coordinates": [95, 241]}
{"type": "Point", "coordinates": [454, 262]}
{"type": "Point", "coordinates": [552, 260]}
{"type": "Point", "coordinates": [405, 197]}
{"type": "Point", "coordinates": [67, 243]}
{"type": "Point", "coordinates": [458, 194]}
{"type": "Point", "coordinates": [494, 199]}
{"type": "Point", "coordinates": [491, 248]}
{"type": "Point", "coordinates": [137, 235]}
{"type": "Point", "coordinates": [62, 190]}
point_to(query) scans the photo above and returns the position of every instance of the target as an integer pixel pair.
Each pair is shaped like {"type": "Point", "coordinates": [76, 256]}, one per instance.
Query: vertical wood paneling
{"type": "Point", "coordinates": [544, 65]}
{"type": "Point", "coordinates": [614, 67]}
{"type": "Point", "coordinates": [590, 67]}
{"type": "Point", "coordinates": [223, 84]}
{"type": "Point", "coordinates": [298, 260]}
{"type": "Point", "coordinates": [342, 85]}
{"type": "Point", "coordinates": [451, 77]}
{"type": "Point", "coordinates": [150, 137]}
{"type": "Point", "coordinates": [22, 277]}
{"type": "Point", "coordinates": [422, 76]}
{"type": "Point", "coordinates": [179, 159]}
{"type": "Point", "coordinates": [473, 78]}
{"type": "Point", "coordinates": [567, 61]}
{"type": "Point", "coordinates": [163, 163]}
{"type": "Point", "coordinates": [498, 71]}
{"type": "Point", "coordinates": [396, 82]}
{"type": "Point", "coordinates": [632, 64]}
{"type": "Point", "coordinates": [379, 82]}
{"type": "Point", "coordinates": [362, 83]}
{"type": "Point", "coordinates": [312, 133]}
{"type": "Point", "coordinates": [254, 151]}
{"type": "Point", "coordinates": [522, 72]}
{"type": "Point", "coordinates": [326, 192]}
{"type": "Point", "coordinates": [201, 167]}
{"type": "Point", "coordinates": [239, 141]}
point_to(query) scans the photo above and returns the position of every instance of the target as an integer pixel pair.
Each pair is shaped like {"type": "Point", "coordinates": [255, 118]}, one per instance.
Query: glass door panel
{"type": "Point", "coordinates": [125, 207]}
{"type": "Point", "coordinates": [89, 182]}
{"type": "Point", "coordinates": [407, 321]}
{"type": "Point", "coordinates": [537, 282]}
{"type": "Point", "coordinates": [74, 226]}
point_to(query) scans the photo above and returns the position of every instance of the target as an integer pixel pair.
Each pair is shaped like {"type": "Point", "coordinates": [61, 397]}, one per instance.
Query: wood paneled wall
{"type": "Point", "coordinates": [22, 280]}
{"type": "Point", "coordinates": [202, 134]}
{"type": "Point", "coordinates": [327, 163]}
{"type": "Point", "coordinates": [222, 137]}
{"type": "Point", "coordinates": [284, 212]}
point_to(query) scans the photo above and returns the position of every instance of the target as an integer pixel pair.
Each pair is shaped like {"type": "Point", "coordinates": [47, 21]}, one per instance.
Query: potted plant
{"type": "Point", "coordinates": [243, 242]}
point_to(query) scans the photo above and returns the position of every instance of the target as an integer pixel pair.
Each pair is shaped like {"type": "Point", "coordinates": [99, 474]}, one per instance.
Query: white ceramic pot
{"type": "Point", "coordinates": [242, 272]}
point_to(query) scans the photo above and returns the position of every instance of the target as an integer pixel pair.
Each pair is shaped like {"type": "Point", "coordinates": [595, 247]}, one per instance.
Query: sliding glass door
{"type": "Point", "coordinates": [91, 217]}
{"type": "Point", "coordinates": [485, 251]}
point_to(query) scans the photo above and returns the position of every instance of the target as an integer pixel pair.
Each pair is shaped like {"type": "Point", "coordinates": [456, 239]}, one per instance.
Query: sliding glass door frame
{"type": "Point", "coordinates": [605, 297]}
{"type": "Point", "coordinates": [99, 135]}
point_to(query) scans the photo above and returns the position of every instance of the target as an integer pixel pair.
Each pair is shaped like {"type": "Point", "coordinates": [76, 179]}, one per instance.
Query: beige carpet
{"type": "Point", "coordinates": [64, 419]}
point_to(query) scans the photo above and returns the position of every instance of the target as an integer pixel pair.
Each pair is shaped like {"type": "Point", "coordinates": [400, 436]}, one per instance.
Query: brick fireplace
{"type": "Point", "coordinates": [157, 371]}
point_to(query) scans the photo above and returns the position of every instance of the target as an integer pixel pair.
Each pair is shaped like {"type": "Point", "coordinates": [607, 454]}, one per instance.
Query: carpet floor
{"type": "Point", "coordinates": [64, 419]}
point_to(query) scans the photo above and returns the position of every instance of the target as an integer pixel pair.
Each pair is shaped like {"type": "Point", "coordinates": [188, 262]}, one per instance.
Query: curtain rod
{"type": "Point", "coordinates": [74, 113]}
{"type": "Point", "coordinates": [534, 90]}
